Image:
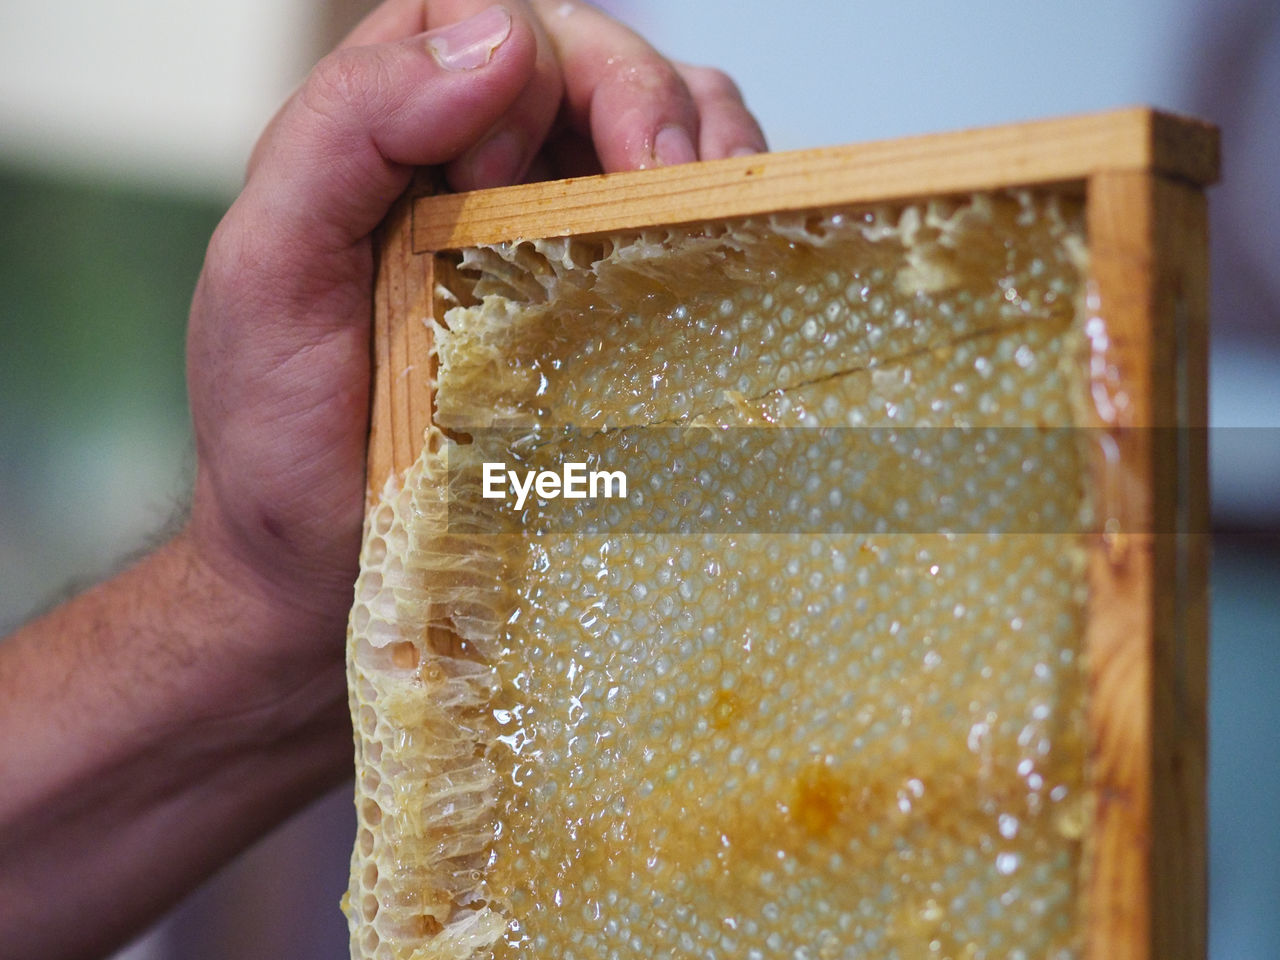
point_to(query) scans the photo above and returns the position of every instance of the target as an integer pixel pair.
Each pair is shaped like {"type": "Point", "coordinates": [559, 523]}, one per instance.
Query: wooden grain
{"type": "Point", "coordinates": [403, 303]}
{"type": "Point", "coordinates": [1147, 628]}
{"type": "Point", "coordinates": [1044, 152]}
{"type": "Point", "coordinates": [1179, 862]}
{"type": "Point", "coordinates": [1141, 172]}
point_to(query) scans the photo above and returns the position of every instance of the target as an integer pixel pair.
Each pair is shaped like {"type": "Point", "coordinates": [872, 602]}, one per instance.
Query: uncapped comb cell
{"type": "Point", "coordinates": [644, 732]}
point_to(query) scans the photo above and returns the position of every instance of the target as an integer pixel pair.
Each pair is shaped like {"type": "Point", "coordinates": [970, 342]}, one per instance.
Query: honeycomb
{"type": "Point", "coordinates": [814, 690]}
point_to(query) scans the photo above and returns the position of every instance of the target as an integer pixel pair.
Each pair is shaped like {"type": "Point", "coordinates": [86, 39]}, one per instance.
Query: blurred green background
{"type": "Point", "coordinates": [97, 279]}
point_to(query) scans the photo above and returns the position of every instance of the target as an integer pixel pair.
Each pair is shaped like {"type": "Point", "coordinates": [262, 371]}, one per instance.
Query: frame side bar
{"type": "Point", "coordinates": [1179, 856]}
{"type": "Point", "coordinates": [1146, 634]}
{"type": "Point", "coordinates": [400, 401]}
{"type": "Point", "coordinates": [1044, 152]}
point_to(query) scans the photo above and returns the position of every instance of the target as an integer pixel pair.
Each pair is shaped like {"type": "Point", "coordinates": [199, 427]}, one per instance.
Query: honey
{"type": "Point", "coordinates": [630, 737]}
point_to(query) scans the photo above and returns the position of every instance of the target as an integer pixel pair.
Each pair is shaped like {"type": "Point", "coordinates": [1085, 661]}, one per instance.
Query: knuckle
{"type": "Point", "coordinates": [345, 82]}
{"type": "Point", "coordinates": [649, 76]}
{"type": "Point", "coordinates": [234, 257]}
{"type": "Point", "coordinates": [335, 81]}
{"type": "Point", "coordinates": [712, 84]}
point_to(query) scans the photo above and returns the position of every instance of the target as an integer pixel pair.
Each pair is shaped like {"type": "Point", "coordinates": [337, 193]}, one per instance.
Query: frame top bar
{"type": "Point", "coordinates": [1065, 150]}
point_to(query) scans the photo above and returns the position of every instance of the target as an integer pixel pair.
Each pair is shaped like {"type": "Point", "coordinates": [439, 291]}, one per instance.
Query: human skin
{"type": "Point", "coordinates": [155, 725]}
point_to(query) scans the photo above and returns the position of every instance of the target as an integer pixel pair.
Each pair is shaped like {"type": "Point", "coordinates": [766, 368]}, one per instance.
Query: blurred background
{"type": "Point", "coordinates": [123, 131]}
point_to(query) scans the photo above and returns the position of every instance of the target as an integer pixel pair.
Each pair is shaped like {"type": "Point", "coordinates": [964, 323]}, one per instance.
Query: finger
{"type": "Point", "coordinates": [727, 127]}
{"type": "Point", "coordinates": [342, 150]}
{"type": "Point", "coordinates": [504, 154]}
{"type": "Point", "coordinates": [389, 21]}
{"type": "Point", "coordinates": [619, 91]}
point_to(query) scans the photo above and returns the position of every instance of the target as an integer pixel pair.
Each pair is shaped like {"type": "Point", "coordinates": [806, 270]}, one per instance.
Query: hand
{"type": "Point", "coordinates": [278, 353]}
{"type": "Point", "coordinates": [164, 719]}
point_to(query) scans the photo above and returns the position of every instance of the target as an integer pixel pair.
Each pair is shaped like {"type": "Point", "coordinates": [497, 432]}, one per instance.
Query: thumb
{"type": "Point", "coordinates": [341, 150]}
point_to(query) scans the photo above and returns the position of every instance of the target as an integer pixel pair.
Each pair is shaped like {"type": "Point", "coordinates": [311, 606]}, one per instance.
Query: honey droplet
{"type": "Point", "coordinates": [821, 798]}
{"type": "Point", "coordinates": [724, 708]}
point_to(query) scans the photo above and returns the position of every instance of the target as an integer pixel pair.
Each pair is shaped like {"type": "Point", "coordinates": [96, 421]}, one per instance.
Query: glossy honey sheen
{"type": "Point", "coordinates": [757, 744]}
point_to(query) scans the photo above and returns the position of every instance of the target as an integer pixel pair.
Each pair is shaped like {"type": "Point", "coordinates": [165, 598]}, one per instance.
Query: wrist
{"type": "Point", "coordinates": [147, 714]}
{"type": "Point", "coordinates": [268, 668]}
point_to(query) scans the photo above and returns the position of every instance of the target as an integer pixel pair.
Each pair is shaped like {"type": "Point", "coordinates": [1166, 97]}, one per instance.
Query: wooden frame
{"type": "Point", "coordinates": [1142, 174]}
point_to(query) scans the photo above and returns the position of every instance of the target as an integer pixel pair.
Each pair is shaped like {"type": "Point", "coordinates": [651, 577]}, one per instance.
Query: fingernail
{"type": "Point", "coordinates": [469, 44]}
{"type": "Point", "coordinates": [497, 161]}
{"type": "Point", "coordinates": [671, 146]}
{"type": "Point", "coordinates": [744, 152]}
